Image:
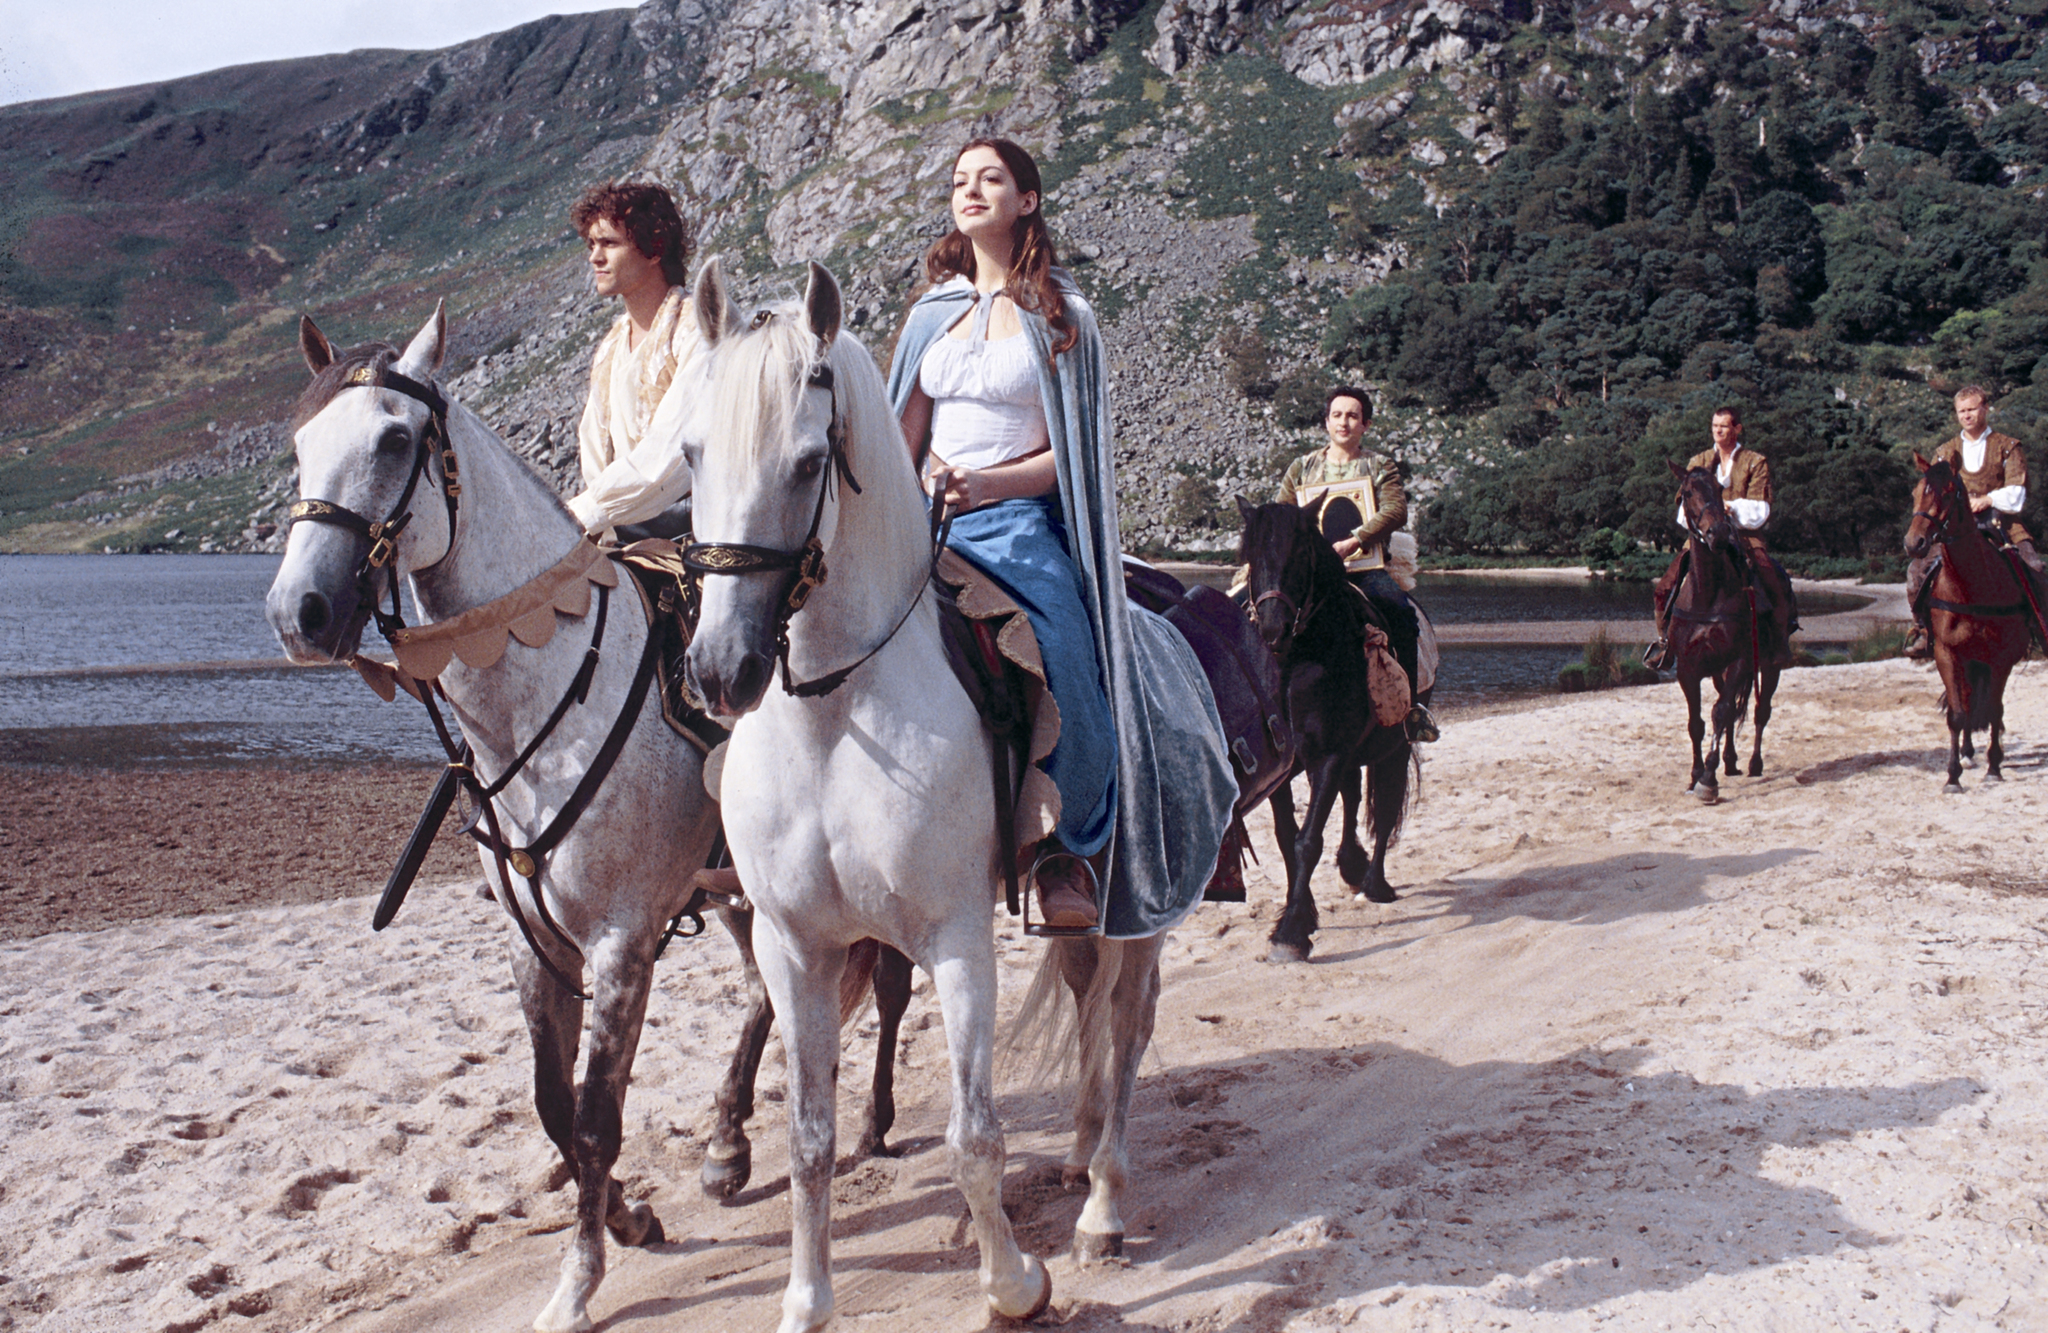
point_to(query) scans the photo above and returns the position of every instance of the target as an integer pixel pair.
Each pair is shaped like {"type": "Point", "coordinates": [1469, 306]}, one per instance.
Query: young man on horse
{"type": "Point", "coordinates": [1745, 478]}
{"type": "Point", "coordinates": [1346, 414]}
{"type": "Point", "coordinates": [639, 249]}
{"type": "Point", "coordinates": [1993, 468]}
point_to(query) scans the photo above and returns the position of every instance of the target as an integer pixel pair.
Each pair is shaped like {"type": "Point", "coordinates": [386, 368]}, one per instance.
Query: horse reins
{"type": "Point", "coordinates": [805, 565]}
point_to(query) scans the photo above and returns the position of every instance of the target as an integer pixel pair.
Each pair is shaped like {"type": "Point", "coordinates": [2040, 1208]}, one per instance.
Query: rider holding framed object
{"type": "Point", "coordinates": [1361, 502]}
{"type": "Point", "coordinates": [634, 473]}
{"type": "Point", "coordinates": [1745, 477]}
{"type": "Point", "coordinates": [1993, 468]}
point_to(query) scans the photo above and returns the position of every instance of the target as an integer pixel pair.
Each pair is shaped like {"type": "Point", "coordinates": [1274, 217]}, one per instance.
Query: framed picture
{"type": "Point", "coordinates": [1341, 508]}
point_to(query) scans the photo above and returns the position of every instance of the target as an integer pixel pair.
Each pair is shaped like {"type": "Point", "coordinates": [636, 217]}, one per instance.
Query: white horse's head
{"type": "Point", "coordinates": [364, 463]}
{"type": "Point", "coordinates": [790, 417]}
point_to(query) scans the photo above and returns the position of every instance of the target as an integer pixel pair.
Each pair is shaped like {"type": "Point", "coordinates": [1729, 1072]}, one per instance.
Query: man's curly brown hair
{"type": "Point", "coordinates": [647, 213]}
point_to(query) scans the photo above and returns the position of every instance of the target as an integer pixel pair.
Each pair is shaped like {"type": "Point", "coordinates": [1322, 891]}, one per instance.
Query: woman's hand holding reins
{"type": "Point", "coordinates": [964, 489]}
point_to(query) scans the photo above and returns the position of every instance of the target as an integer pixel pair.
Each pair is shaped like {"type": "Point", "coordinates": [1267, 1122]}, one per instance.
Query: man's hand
{"type": "Point", "coordinates": [1347, 548]}
{"type": "Point", "coordinates": [1979, 503]}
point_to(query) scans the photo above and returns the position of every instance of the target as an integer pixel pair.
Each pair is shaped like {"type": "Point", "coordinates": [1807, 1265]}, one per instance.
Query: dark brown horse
{"type": "Point", "coordinates": [1978, 609]}
{"type": "Point", "coordinates": [1314, 620]}
{"type": "Point", "coordinates": [1719, 629]}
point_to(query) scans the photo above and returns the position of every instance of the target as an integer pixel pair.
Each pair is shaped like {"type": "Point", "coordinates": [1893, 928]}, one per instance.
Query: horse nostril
{"type": "Point", "coordinates": [314, 613]}
{"type": "Point", "coordinates": [751, 680]}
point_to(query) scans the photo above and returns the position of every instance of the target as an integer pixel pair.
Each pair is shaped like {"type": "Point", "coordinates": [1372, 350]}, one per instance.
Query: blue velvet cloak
{"type": "Point", "coordinates": [1175, 784]}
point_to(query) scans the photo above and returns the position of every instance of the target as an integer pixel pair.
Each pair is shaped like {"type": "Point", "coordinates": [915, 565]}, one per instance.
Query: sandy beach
{"type": "Point", "coordinates": [1615, 1059]}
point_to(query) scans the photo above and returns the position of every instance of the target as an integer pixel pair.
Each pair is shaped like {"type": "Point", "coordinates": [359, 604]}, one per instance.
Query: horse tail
{"type": "Point", "coordinates": [1391, 788]}
{"type": "Point", "coordinates": [1977, 680]}
{"type": "Point", "coordinates": [857, 983]}
{"type": "Point", "coordinates": [1054, 1041]}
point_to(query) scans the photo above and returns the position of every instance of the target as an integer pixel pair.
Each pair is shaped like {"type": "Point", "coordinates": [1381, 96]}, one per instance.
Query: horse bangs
{"type": "Point", "coordinates": [760, 373]}
{"type": "Point", "coordinates": [379, 356]}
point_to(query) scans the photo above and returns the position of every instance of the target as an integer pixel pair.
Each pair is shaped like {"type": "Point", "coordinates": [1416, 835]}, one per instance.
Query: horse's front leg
{"type": "Point", "coordinates": [963, 972]}
{"type": "Point", "coordinates": [1281, 803]}
{"type": "Point", "coordinates": [1696, 728]}
{"type": "Point", "coordinates": [1728, 710]}
{"type": "Point", "coordinates": [621, 970]}
{"type": "Point", "coordinates": [1354, 867]}
{"type": "Point", "coordinates": [803, 985]}
{"type": "Point", "coordinates": [1290, 941]}
{"type": "Point", "coordinates": [1956, 708]}
{"type": "Point", "coordinates": [1133, 1007]}
{"type": "Point", "coordinates": [1767, 686]}
{"type": "Point", "coordinates": [892, 998]}
{"type": "Point", "coordinates": [729, 1157]}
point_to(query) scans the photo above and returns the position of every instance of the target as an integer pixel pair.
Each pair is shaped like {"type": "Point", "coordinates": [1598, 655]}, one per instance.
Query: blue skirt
{"type": "Point", "coordinates": [1022, 544]}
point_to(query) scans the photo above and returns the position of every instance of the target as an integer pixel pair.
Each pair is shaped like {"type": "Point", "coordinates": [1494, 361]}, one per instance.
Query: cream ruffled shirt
{"type": "Point", "coordinates": [2006, 499]}
{"type": "Point", "coordinates": [630, 438]}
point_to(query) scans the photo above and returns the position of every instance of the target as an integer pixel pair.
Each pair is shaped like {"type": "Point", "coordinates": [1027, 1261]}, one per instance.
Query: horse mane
{"type": "Point", "coordinates": [379, 356]}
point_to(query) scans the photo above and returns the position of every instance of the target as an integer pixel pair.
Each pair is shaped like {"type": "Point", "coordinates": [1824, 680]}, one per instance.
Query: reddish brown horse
{"type": "Point", "coordinates": [1978, 610]}
{"type": "Point", "coordinates": [1719, 630]}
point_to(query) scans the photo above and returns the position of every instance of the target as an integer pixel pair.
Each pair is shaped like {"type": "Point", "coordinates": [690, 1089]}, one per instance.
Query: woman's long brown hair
{"type": "Point", "coordinates": [1030, 283]}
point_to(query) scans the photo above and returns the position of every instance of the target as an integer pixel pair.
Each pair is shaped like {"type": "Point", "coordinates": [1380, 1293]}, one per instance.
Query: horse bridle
{"type": "Point", "coordinates": [1298, 616]}
{"type": "Point", "coordinates": [1941, 521]}
{"type": "Point", "coordinates": [805, 567]}
{"type": "Point", "coordinates": [382, 535]}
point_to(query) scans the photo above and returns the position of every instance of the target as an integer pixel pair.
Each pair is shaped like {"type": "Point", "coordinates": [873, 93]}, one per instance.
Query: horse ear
{"type": "Point", "coordinates": [1920, 462]}
{"type": "Point", "coordinates": [423, 354]}
{"type": "Point", "coordinates": [821, 305]}
{"type": "Point", "coordinates": [712, 307]}
{"type": "Point", "coordinates": [313, 345]}
{"type": "Point", "coordinates": [1245, 509]}
{"type": "Point", "coordinates": [1676, 470]}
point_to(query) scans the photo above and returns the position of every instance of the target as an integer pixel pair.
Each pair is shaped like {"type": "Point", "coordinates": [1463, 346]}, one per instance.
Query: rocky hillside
{"type": "Point", "coordinates": [1207, 162]}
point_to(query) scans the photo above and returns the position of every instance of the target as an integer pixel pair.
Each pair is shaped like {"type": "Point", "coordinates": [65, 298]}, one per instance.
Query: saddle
{"type": "Point", "coordinates": [668, 593]}
{"type": "Point", "coordinates": [982, 630]}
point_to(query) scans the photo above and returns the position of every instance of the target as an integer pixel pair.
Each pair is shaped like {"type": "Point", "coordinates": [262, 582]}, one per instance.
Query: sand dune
{"type": "Point", "coordinates": [1614, 1059]}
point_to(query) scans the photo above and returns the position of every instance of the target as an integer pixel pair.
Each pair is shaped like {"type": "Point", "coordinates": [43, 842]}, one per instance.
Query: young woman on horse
{"type": "Point", "coordinates": [1346, 414]}
{"type": "Point", "coordinates": [633, 469]}
{"type": "Point", "coordinates": [1001, 383]}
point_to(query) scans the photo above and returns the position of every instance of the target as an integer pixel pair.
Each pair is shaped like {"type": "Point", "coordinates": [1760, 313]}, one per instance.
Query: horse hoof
{"type": "Point", "coordinates": [1038, 1302]}
{"type": "Point", "coordinates": [1288, 953]}
{"type": "Point", "coordinates": [873, 1145]}
{"type": "Point", "coordinates": [1093, 1247]}
{"type": "Point", "coordinates": [1756, 770]}
{"type": "Point", "coordinates": [1074, 1179]}
{"type": "Point", "coordinates": [1952, 789]}
{"type": "Point", "coordinates": [562, 1317]}
{"type": "Point", "coordinates": [638, 1226]}
{"type": "Point", "coordinates": [1994, 776]}
{"type": "Point", "coordinates": [1382, 893]}
{"type": "Point", "coordinates": [1707, 795]}
{"type": "Point", "coordinates": [723, 1179]}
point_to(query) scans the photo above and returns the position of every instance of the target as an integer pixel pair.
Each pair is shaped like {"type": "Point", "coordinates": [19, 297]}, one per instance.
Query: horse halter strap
{"type": "Point", "coordinates": [383, 534]}
{"type": "Point", "coordinates": [806, 564]}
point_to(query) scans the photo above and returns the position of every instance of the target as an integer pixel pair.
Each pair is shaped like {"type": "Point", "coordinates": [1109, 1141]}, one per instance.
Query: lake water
{"type": "Point", "coordinates": [76, 633]}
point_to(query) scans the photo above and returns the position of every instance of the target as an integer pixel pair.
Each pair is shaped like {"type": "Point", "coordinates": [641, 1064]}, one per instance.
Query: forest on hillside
{"type": "Point", "coordinates": [1824, 237]}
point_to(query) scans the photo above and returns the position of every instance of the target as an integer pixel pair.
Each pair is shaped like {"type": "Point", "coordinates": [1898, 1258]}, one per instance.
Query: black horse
{"type": "Point", "coordinates": [1315, 621]}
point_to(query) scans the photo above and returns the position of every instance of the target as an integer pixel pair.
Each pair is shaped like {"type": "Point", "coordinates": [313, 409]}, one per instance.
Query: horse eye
{"type": "Point", "coordinates": [394, 440]}
{"type": "Point", "coordinates": [809, 467]}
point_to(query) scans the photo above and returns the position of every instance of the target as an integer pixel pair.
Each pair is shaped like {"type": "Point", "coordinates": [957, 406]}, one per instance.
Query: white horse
{"type": "Point", "coordinates": [369, 453]}
{"type": "Point", "coordinates": [863, 812]}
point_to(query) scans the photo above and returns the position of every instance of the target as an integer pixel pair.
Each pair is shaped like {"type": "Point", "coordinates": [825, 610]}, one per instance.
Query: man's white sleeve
{"type": "Point", "coordinates": [2008, 499]}
{"type": "Point", "coordinates": [644, 480]}
{"type": "Point", "coordinates": [1750, 513]}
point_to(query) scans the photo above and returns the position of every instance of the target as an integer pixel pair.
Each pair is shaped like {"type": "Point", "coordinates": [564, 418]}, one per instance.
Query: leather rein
{"type": "Point", "coordinates": [461, 774]}
{"type": "Point", "coordinates": [805, 567]}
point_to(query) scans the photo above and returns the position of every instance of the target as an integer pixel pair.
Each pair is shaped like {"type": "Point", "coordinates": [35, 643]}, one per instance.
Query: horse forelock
{"type": "Point", "coordinates": [757, 378]}
{"type": "Point", "coordinates": [379, 356]}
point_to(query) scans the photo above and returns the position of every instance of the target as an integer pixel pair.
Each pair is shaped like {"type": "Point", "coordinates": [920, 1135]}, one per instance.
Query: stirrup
{"type": "Point", "coordinates": [1421, 727]}
{"type": "Point", "coordinates": [1047, 929]}
{"type": "Point", "coordinates": [1657, 656]}
{"type": "Point", "coordinates": [1919, 645]}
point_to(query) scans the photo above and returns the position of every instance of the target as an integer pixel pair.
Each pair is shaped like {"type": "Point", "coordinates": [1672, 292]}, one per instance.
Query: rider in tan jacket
{"type": "Point", "coordinates": [1993, 468]}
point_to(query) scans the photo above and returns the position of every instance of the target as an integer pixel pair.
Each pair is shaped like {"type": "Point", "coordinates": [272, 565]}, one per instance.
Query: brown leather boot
{"type": "Point", "coordinates": [1919, 644]}
{"type": "Point", "coordinates": [1066, 890]}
